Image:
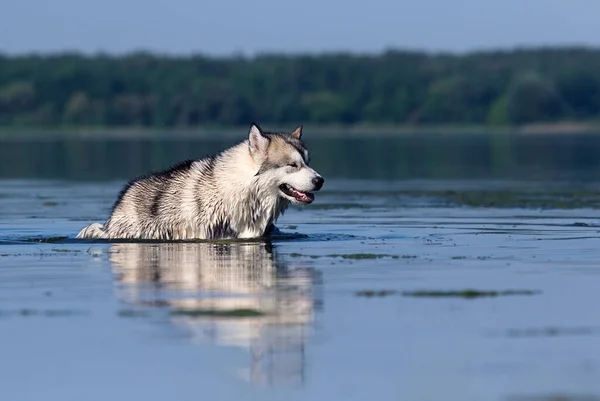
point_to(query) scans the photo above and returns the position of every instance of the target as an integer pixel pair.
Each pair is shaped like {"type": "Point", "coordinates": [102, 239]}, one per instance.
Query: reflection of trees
{"type": "Point", "coordinates": [236, 294]}
{"type": "Point", "coordinates": [406, 157]}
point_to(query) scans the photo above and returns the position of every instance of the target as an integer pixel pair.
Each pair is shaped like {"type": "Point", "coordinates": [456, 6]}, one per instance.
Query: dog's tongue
{"type": "Point", "coordinates": [303, 196]}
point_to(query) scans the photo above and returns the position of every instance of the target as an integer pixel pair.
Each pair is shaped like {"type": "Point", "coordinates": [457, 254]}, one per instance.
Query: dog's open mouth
{"type": "Point", "coordinates": [299, 196]}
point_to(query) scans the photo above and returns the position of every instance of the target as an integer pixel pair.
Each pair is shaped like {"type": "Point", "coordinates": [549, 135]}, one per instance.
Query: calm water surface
{"type": "Point", "coordinates": [428, 268]}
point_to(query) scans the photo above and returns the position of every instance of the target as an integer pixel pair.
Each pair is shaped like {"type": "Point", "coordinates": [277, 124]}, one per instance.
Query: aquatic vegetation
{"type": "Point", "coordinates": [552, 331]}
{"type": "Point", "coordinates": [47, 313]}
{"type": "Point", "coordinates": [375, 293]}
{"type": "Point", "coordinates": [359, 256]}
{"type": "Point", "coordinates": [467, 294]}
{"type": "Point", "coordinates": [491, 198]}
{"type": "Point", "coordinates": [47, 240]}
{"type": "Point", "coordinates": [231, 313]}
{"type": "Point", "coordinates": [354, 256]}
{"type": "Point", "coordinates": [132, 313]}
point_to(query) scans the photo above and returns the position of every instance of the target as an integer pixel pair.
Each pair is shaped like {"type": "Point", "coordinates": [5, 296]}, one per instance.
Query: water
{"type": "Point", "coordinates": [449, 267]}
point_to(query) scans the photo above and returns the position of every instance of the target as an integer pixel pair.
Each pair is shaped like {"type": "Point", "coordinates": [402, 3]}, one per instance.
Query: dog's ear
{"type": "Point", "coordinates": [297, 132]}
{"type": "Point", "coordinates": [258, 142]}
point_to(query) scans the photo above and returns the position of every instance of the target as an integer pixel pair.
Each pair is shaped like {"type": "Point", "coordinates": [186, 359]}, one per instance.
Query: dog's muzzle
{"type": "Point", "coordinates": [318, 182]}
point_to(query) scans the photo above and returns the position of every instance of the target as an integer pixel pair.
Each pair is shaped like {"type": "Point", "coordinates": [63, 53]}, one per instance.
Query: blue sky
{"type": "Point", "coordinates": [226, 26]}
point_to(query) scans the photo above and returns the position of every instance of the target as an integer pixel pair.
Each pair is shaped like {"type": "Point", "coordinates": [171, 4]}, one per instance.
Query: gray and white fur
{"type": "Point", "coordinates": [237, 193]}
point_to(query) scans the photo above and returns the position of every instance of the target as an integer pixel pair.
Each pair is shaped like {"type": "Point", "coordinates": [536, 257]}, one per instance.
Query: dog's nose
{"type": "Point", "coordinates": [318, 182]}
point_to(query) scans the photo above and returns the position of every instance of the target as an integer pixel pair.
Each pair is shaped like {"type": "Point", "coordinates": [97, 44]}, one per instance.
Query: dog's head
{"type": "Point", "coordinates": [282, 161]}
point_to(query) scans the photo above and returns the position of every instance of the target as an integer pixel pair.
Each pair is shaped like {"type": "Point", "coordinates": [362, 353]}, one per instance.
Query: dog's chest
{"type": "Point", "coordinates": [257, 217]}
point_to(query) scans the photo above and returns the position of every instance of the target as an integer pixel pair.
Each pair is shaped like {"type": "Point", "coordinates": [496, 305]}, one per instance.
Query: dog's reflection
{"type": "Point", "coordinates": [235, 294]}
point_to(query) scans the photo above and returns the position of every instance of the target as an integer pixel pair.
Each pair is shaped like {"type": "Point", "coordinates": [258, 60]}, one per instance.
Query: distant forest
{"type": "Point", "coordinates": [393, 88]}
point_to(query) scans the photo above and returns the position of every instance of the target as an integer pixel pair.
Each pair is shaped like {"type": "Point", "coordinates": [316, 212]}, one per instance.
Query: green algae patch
{"type": "Point", "coordinates": [468, 294]}
{"type": "Point", "coordinates": [232, 313]}
{"type": "Point", "coordinates": [25, 312]}
{"type": "Point", "coordinates": [359, 256]}
{"type": "Point", "coordinates": [375, 293]}
{"type": "Point", "coordinates": [539, 199]}
{"type": "Point", "coordinates": [353, 256]}
{"type": "Point", "coordinates": [552, 331]}
{"type": "Point", "coordinates": [132, 313]}
{"type": "Point", "coordinates": [62, 250]}
{"type": "Point", "coordinates": [48, 240]}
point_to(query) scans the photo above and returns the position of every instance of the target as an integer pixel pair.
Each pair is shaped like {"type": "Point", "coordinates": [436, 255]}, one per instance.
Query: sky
{"type": "Point", "coordinates": [225, 27]}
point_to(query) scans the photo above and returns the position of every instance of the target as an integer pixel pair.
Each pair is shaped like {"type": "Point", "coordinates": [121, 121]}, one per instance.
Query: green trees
{"type": "Point", "coordinates": [531, 97]}
{"type": "Point", "coordinates": [496, 88]}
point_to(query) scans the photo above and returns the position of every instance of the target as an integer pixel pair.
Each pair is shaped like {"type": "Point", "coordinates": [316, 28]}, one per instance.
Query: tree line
{"type": "Point", "coordinates": [391, 88]}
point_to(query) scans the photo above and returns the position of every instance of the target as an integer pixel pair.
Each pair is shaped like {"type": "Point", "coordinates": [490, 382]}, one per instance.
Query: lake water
{"type": "Point", "coordinates": [431, 267]}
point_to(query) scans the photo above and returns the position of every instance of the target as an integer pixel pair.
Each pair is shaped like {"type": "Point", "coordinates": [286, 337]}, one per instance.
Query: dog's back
{"type": "Point", "coordinates": [161, 205]}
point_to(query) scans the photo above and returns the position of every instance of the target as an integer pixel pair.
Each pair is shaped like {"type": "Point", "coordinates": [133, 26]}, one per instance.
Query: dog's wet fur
{"type": "Point", "coordinates": [237, 193]}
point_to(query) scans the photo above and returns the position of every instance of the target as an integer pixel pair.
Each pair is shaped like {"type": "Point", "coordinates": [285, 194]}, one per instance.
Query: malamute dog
{"type": "Point", "coordinates": [238, 193]}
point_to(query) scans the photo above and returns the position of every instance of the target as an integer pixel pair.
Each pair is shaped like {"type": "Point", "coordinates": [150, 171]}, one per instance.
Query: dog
{"type": "Point", "coordinates": [238, 193]}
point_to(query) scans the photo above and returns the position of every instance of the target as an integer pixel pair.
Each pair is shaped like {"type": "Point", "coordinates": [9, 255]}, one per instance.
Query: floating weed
{"type": "Point", "coordinates": [47, 313]}
{"type": "Point", "coordinates": [157, 303]}
{"type": "Point", "coordinates": [48, 240]}
{"type": "Point", "coordinates": [231, 313]}
{"type": "Point", "coordinates": [50, 203]}
{"type": "Point", "coordinates": [552, 331]}
{"type": "Point", "coordinates": [352, 256]}
{"type": "Point", "coordinates": [458, 257]}
{"type": "Point", "coordinates": [359, 256]}
{"type": "Point", "coordinates": [375, 293]}
{"type": "Point", "coordinates": [522, 199]}
{"type": "Point", "coordinates": [65, 250]}
{"type": "Point", "coordinates": [467, 294]}
{"type": "Point", "coordinates": [59, 313]}
{"type": "Point", "coordinates": [132, 313]}
{"type": "Point", "coordinates": [299, 255]}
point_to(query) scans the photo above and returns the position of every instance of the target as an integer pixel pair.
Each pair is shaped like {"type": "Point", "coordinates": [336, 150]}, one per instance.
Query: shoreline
{"type": "Point", "coordinates": [322, 131]}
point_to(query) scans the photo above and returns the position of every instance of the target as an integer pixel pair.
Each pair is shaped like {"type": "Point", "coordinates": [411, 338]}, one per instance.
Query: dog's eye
{"type": "Point", "coordinates": [294, 165]}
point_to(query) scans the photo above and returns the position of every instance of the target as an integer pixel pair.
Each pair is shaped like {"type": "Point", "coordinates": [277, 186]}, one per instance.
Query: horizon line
{"type": "Point", "coordinates": [281, 53]}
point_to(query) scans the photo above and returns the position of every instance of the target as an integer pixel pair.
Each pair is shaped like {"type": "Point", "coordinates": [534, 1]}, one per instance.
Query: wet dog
{"type": "Point", "coordinates": [237, 193]}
